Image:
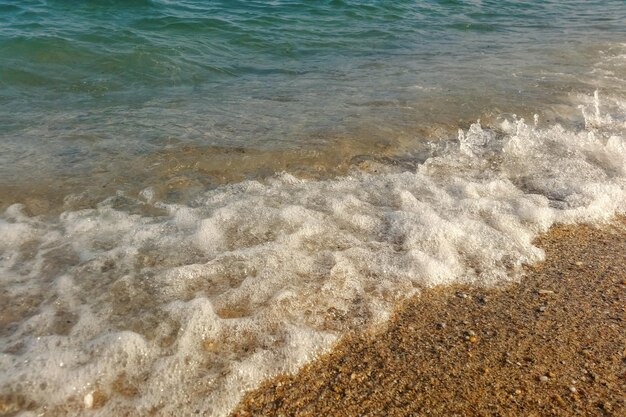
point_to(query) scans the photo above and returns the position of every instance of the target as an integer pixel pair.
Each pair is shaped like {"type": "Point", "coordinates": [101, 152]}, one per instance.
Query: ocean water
{"type": "Point", "coordinates": [196, 196]}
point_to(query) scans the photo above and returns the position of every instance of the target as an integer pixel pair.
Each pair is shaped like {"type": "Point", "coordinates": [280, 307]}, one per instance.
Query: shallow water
{"type": "Point", "coordinates": [89, 89]}
{"type": "Point", "coordinates": [198, 197]}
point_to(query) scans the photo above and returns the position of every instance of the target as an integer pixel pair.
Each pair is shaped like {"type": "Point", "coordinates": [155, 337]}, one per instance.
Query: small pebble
{"type": "Point", "coordinates": [545, 292]}
{"type": "Point", "coordinates": [579, 263]}
{"type": "Point", "coordinates": [441, 325]}
{"type": "Point", "coordinates": [88, 400]}
{"type": "Point", "coordinates": [543, 378]}
{"type": "Point", "coordinates": [461, 294]}
{"type": "Point", "coordinates": [606, 406]}
{"type": "Point", "coordinates": [572, 389]}
{"type": "Point", "coordinates": [551, 374]}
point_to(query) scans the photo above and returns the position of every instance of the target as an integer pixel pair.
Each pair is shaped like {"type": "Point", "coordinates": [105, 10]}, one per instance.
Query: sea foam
{"type": "Point", "coordinates": [180, 313]}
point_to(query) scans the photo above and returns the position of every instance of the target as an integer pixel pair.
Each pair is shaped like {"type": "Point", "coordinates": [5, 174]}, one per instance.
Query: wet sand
{"type": "Point", "coordinates": [554, 344]}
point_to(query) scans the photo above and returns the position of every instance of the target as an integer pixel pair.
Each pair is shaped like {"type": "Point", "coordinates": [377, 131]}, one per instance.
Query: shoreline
{"type": "Point", "coordinates": [552, 344]}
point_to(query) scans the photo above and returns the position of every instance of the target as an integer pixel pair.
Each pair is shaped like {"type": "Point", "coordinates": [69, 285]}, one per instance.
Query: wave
{"type": "Point", "coordinates": [186, 309]}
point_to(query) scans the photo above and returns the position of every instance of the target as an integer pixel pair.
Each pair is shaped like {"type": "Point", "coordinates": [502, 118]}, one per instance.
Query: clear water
{"type": "Point", "coordinates": [89, 91]}
{"type": "Point", "coordinates": [199, 195]}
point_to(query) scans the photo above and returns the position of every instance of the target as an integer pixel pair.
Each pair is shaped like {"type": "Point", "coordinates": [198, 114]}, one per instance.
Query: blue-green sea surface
{"type": "Point", "coordinates": [89, 89]}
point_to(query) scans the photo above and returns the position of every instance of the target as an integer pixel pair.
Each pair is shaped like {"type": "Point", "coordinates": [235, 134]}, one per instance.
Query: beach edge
{"type": "Point", "coordinates": [552, 344]}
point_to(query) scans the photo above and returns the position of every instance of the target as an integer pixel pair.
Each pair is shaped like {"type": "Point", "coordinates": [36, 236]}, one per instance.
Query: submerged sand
{"type": "Point", "coordinates": [554, 344]}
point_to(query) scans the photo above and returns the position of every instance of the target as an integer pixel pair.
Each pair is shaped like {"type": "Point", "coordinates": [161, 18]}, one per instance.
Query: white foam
{"type": "Point", "coordinates": [192, 308]}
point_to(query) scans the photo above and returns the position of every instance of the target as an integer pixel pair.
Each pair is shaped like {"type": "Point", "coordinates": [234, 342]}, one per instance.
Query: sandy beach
{"type": "Point", "coordinates": [554, 344]}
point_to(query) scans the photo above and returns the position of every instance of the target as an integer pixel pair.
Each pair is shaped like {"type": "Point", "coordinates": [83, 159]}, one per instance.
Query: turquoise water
{"type": "Point", "coordinates": [91, 86]}
{"type": "Point", "coordinates": [196, 196]}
